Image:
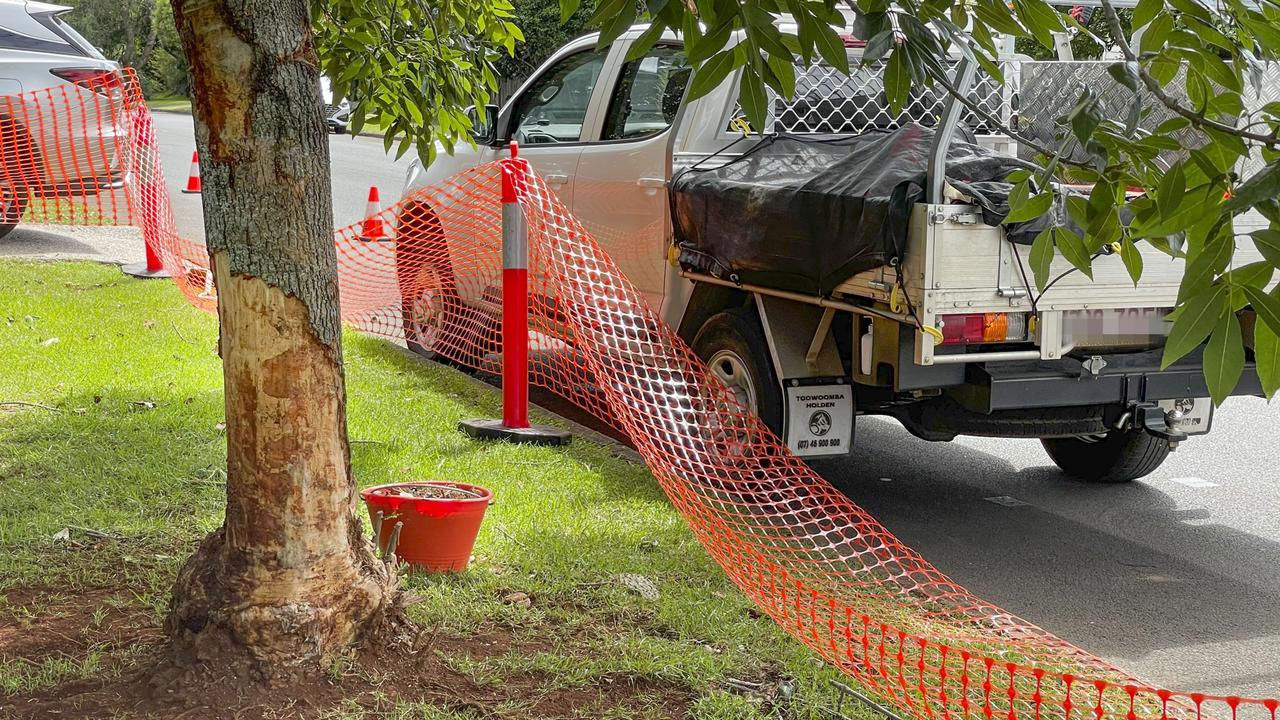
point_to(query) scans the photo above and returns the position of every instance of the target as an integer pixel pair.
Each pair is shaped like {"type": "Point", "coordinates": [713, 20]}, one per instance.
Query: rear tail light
{"type": "Point", "coordinates": [104, 82]}
{"type": "Point", "coordinates": [977, 328]}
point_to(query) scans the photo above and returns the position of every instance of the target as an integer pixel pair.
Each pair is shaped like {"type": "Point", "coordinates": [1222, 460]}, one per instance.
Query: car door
{"type": "Point", "coordinates": [621, 187]}
{"type": "Point", "coordinates": [551, 113]}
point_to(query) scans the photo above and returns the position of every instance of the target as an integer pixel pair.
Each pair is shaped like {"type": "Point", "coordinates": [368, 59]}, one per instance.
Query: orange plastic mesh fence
{"type": "Point", "coordinates": [815, 562]}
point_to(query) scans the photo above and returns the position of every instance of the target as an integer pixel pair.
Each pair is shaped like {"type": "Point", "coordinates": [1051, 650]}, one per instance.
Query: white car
{"type": "Point", "coordinates": [336, 115]}
{"type": "Point", "coordinates": [61, 103]}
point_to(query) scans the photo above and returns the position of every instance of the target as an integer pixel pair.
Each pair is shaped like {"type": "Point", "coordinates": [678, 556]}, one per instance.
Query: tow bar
{"type": "Point", "coordinates": [1152, 418]}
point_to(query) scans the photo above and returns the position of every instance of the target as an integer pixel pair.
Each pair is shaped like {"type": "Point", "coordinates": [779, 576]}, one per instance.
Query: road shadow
{"type": "Point", "coordinates": [1123, 599]}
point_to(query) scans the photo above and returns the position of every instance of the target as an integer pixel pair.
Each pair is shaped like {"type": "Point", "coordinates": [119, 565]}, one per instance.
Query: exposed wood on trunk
{"type": "Point", "coordinates": [288, 577]}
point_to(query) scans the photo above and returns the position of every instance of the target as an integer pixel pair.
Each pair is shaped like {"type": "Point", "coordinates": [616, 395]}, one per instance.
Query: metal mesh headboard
{"type": "Point", "coordinates": [828, 102]}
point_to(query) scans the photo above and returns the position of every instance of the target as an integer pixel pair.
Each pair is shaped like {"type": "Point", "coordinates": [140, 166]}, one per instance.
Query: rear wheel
{"type": "Point", "coordinates": [1116, 457]}
{"type": "Point", "coordinates": [733, 346]}
{"type": "Point", "coordinates": [13, 203]}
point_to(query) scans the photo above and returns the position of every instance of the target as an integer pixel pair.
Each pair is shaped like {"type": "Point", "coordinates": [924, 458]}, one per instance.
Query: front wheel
{"type": "Point", "coordinates": [1119, 456]}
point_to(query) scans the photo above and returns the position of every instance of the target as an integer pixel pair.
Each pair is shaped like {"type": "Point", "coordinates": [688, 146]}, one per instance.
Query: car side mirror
{"type": "Point", "coordinates": [484, 123]}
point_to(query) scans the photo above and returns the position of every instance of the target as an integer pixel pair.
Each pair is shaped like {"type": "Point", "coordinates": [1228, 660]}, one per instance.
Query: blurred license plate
{"type": "Point", "coordinates": [1196, 414]}
{"type": "Point", "coordinates": [1127, 327]}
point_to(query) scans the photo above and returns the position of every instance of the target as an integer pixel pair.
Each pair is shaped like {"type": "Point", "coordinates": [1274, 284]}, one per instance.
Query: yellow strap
{"type": "Point", "coordinates": [895, 299]}
{"type": "Point", "coordinates": [933, 332]}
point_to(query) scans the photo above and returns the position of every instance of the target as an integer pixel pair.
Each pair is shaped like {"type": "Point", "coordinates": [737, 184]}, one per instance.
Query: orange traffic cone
{"type": "Point", "coordinates": [193, 178]}
{"type": "Point", "coordinates": [374, 227]}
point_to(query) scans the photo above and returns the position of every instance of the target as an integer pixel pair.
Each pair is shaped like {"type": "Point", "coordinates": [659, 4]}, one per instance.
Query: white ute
{"type": "Point", "coordinates": [1079, 368]}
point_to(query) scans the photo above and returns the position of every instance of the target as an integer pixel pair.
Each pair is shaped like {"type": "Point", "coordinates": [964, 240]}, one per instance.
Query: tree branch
{"type": "Point", "coordinates": [1117, 33]}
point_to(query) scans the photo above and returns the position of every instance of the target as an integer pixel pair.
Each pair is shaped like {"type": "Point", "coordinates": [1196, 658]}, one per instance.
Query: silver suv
{"type": "Point", "coordinates": [61, 104]}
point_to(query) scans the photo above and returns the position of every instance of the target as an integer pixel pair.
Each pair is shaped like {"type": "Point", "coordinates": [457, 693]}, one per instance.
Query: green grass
{"type": "Point", "coordinates": [134, 447]}
{"type": "Point", "coordinates": [170, 104]}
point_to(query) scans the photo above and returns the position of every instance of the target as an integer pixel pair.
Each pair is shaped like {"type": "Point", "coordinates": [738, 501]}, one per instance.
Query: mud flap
{"type": "Point", "coordinates": [818, 406]}
{"type": "Point", "coordinates": [819, 416]}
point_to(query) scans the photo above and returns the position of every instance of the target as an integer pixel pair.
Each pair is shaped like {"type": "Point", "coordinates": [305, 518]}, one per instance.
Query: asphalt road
{"type": "Point", "coordinates": [357, 164]}
{"type": "Point", "coordinates": [1175, 578]}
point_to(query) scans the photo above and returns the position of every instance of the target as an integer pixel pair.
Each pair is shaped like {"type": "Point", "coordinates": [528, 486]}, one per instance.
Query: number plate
{"type": "Point", "coordinates": [1197, 414]}
{"type": "Point", "coordinates": [820, 419]}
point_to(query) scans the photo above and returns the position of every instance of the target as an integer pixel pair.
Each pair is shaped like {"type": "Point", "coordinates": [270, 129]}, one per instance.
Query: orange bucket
{"type": "Point", "coordinates": [440, 521]}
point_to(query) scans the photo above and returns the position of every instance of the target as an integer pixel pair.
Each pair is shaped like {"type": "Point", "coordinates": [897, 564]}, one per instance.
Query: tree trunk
{"type": "Point", "coordinates": [288, 577]}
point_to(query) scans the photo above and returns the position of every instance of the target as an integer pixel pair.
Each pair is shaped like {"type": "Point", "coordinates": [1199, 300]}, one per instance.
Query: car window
{"type": "Point", "coordinates": [648, 95]}
{"type": "Point", "coordinates": [554, 108]}
{"type": "Point", "coordinates": [55, 23]}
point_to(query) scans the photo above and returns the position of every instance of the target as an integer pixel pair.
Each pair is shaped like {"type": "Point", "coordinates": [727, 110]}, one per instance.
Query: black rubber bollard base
{"type": "Point", "coordinates": [495, 430]}
{"type": "Point", "coordinates": [139, 270]}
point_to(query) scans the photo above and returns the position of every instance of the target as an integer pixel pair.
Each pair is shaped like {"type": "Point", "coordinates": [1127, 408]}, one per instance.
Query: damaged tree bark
{"type": "Point", "coordinates": [288, 578]}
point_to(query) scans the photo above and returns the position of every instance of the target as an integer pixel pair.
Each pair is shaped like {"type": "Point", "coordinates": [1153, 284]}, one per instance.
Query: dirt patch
{"type": "Point", "coordinates": [430, 492]}
{"type": "Point", "coordinates": [43, 623]}
{"type": "Point", "coordinates": [371, 680]}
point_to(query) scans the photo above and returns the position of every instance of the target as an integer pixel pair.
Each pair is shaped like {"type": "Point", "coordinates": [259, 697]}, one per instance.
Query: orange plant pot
{"type": "Point", "coordinates": [440, 521]}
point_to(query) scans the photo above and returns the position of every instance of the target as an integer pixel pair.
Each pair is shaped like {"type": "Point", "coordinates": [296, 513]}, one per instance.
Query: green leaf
{"type": "Point", "coordinates": [1264, 185]}
{"type": "Point", "coordinates": [1145, 11]}
{"type": "Point", "coordinates": [1040, 19]}
{"type": "Point", "coordinates": [1201, 202]}
{"type": "Point", "coordinates": [713, 72]}
{"type": "Point", "coordinates": [1196, 320]}
{"type": "Point", "coordinates": [752, 96]}
{"type": "Point", "coordinates": [1206, 264]}
{"type": "Point", "coordinates": [1073, 249]}
{"type": "Point", "coordinates": [784, 70]}
{"type": "Point", "coordinates": [1268, 243]}
{"type": "Point", "coordinates": [1171, 191]}
{"type": "Point", "coordinates": [1266, 353]}
{"type": "Point", "coordinates": [645, 42]}
{"type": "Point", "coordinates": [709, 44]}
{"type": "Point", "coordinates": [1029, 209]}
{"type": "Point", "coordinates": [612, 27]}
{"type": "Point", "coordinates": [568, 8]}
{"type": "Point", "coordinates": [897, 81]}
{"type": "Point", "coordinates": [831, 48]}
{"type": "Point", "coordinates": [877, 46]}
{"type": "Point", "coordinates": [1042, 257]}
{"type": "Point", "coordinates": [1255, 275]}
{"type": "Point", "coordinates": [1224, 358]}
{"type": "Point", "coordinates": [1157, 33]}
{"type": "Point", "coordinates": [1266, 305]}
{"type": "Point", "coordinates": [1132, 259]}
{"type": "Point", "coordinates": [1125, 73]}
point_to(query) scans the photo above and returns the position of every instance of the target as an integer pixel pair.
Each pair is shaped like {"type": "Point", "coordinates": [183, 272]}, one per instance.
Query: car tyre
{"type": "Point", "coordinates": [1120, 456]}
{"type": "Point", "coordinates": [437, 322]}
{"type": "Point", "coordinates": [734, 348]}
{"type": "Point", "coordinates": [14, 198]}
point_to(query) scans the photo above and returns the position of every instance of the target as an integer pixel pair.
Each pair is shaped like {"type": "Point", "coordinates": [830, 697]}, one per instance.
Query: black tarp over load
{"type": "Point", "coordinates": [804, 214]}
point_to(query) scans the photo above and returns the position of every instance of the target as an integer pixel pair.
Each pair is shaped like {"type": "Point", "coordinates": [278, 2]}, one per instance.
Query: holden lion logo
{"type": "Point", "coordinates": [820, 423]}
{"type": "Point", "coordinates": [1185, 405]}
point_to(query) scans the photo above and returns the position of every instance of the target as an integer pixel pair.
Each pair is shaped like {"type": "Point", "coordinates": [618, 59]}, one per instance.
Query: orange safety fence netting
{"type": "Point", "coordinates": [820, 566]}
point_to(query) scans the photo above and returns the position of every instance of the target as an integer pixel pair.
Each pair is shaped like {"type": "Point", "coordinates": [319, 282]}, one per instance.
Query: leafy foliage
{"type": "Point", "coordinates": [1216, 55]}
{"type": "Point", "coordinates": [1188, 81]}
{"type": "Point", "coordinates": [136, 33]}
{"type": "Point", "coordinates": [544, 33]}
{"type": "Point", "coordinates": [412, 66]}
